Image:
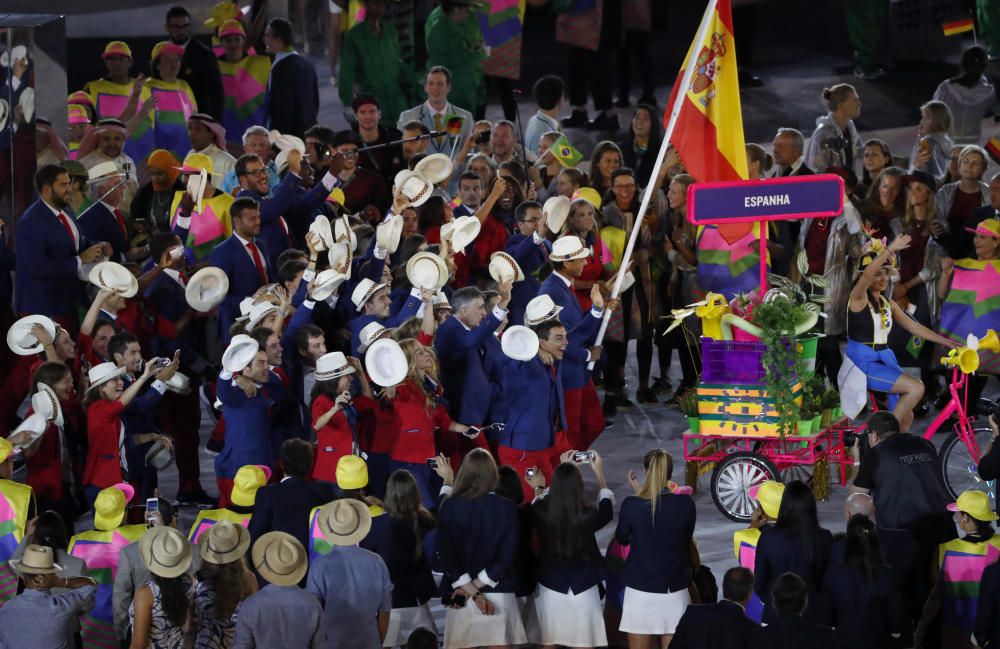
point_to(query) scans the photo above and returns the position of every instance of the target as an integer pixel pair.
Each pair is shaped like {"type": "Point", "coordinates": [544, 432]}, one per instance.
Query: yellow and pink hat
{"type": "Point", "coordinates": [117, 48]}
{"type": "Point", "coordinates": [166, 47]}
{"type": "Point", "coordinates": [987, 228]}
{"type": "Point", "coordinates": [231, 28]}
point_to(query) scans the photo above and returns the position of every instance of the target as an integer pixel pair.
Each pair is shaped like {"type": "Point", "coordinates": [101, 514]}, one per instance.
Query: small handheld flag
{"type": "Point", "coordinates": [565, 153]}
{"type": "Point", "coordinates": [993, 147]}
{"type": "Point", "coordinates": [453, 124]}
{"type": "Point", "coordinates": [959, 27]}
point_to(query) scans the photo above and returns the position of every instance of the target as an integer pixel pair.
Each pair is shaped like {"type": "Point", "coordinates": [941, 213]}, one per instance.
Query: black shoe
{"type": "Point", "coordinates": [749, 80]}
{"type": "Point", "coordinates": [922, 409]}
{"type": "Point", "coordinates": [610, 409]}
{"type": "Point", "coordinates": [661, 385]}
{"type": "Point", "coordinates": [578, 119]}
{"type": "Point", "coordinates": [622, 102]}
{"type": "Point", "coordinates": [646, 396]}
{"type": "Point", "coordinates": [622, 401]}
{"type": "Point", "coordinates": [604, 122]}
{"type": "Point", "coordinates": [199, 498]}
{"type": "Point", "coordinates": [871, 73]}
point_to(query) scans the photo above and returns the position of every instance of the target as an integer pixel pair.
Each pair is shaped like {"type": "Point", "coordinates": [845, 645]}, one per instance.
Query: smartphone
{"type": "Point", "coordinates": [583, 457]}
{"type": "Point", "coordinates": [472, 432]}
{"type": "Point", "coordinates": [484, 137]}
{"type": "Point", "coordinates": [432, 462]}
{"type": "Point", "coordinates": [152, 511]}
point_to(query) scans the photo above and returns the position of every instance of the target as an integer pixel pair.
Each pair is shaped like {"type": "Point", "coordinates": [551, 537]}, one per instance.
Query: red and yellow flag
{"type": "Point", "coordinates": [708, 134]}
{"type": "Point", "coordinates": [958, 27]}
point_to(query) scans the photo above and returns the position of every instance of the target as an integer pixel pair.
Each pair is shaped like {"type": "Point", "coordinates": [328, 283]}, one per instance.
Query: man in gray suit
{"type": "Point", "coordinates": [433, 113]}
{"type": "Point", "coordinates": [133, 574]}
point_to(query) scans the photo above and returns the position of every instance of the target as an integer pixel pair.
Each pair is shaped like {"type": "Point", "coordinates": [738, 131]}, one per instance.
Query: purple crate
{"type": "Point", "coordinates": [732, 362]}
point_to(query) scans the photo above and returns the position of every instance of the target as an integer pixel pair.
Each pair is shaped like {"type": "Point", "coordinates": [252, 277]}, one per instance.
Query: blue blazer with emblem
{"type": "Point", "coordinates": [530, 256]}
{"type": "Point", "coordinates": [46, 280]}
{"type": "Point", "coordinates": [581, 328]}
{"type": "Point", "coordinates": [248, 425]}
{"type": "Point", "coordinates": [282, 203]}
{"type": "Point", "coordinates": [99, 224]}
{"type": "Point", "coordinates": [536, 406]}
{"type": "Point", "coordinates": [410, 308]}
{"type": "Point", "coordinates": [234, 260]}
{"type": "Point", "coordinates": [461, 354]}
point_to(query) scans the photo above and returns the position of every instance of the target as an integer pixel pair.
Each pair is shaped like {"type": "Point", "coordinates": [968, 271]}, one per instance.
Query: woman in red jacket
{"type": "Point", "coordinates": [335, 413]}
{"type": "Point", "coordinates": [420, 411]}
{"type": "Point", "coordinates": [105, 401]}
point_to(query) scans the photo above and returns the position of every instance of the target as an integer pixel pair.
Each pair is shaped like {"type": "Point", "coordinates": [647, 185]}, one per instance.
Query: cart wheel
{"type": "Point", "coordinates": [732, 479]}
{"type": "Point", "coordinates": [803, 472]}
{"type": "Point", "coordinates": [959, 469]}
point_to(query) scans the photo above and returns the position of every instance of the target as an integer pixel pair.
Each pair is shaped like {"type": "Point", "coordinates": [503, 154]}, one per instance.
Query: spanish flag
{"type": "Point", "coordinates": [959, 27]}
{"type": "Point", "coordinates": [705, 101]}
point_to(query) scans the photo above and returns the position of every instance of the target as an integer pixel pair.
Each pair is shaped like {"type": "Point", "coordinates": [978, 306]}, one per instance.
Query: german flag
{"type": "Point", "coordinates": [453, 124]}
{"type": "Point", "coordinates": [993, 148]}
{"type": "Point", "coordinates": [959, 27]}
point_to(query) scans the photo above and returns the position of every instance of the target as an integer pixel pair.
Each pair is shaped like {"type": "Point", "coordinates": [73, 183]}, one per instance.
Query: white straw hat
{"type": "Point", "coordinates": [369, 334]}
{"type": "Point", "coordinates": [36, 560]}
{"type": "Point", "coordinates": [386, 363]}
{"type": "Point", "coordinates": [342, 231]}
{"type": "Point", "coordinates": [224, 543]}
{"type": "Point", "coordinates": [206, 289]}
{"type": "Point", "coordinates": [464, 231]}
{"type": "Point", "coordinates": [104, 171]}
{"type": "Point", "coordinates": [279, 558]}
{"type": "Point", "coordinates": [332, 366]}
{"type": "Point", "coordinates": [435, 168]}
{"type": "Point", "coordinates": [540, 309]}
{"type": "Point", "coordinates": [340, 257]}
{"type": "Point", "coordinates": [363, 292]}
{"type": "Point", "coordinates": [260, 311]}
{"type": "Point", "coordinates": [556, 211]}
{"type": "Point", "coordinates": [321, 226]}
{"type": "Point", "coordinates": [165, 551]}
{"type": "Point", "coordinates": [19, 337]}
{"type": "Point", "coordinates": [519, 343]}
{"type": "Point", "coordinates": [114, 277]}
{"type": "Point", "coordinates": [415, 188]}
{"type": "Point", "coordinates": [326, 282]}
{"type": "Point", "coordinates": [568, 248]}
{"type": "Point", "coordinates": [240, 353]}
{"type": "Point", "coordinates": [427, 270]}
{"type": "Point", "coordinates": [504, 268]}
{"type": "Point", "coordinates": [345, 521]}
{"type": "Point", "coordinates": [29, 431]}
{"type": "Point", "coordinates": [388, 233]}
{"type": "Point", "coordinates": [104, 372]}
{"type": "Point", "coordinates": [47, 403]}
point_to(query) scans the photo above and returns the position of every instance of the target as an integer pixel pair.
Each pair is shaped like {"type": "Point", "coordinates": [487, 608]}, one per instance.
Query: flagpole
{"type": "Point", "coordinates": [664, 144]}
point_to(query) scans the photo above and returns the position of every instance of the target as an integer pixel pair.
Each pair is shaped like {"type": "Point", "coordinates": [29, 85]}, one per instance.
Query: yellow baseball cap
{"type": "Point", "coordinates": [110, 506]}
{"type": "Point", "coordinates": [987, 228]}
{"type": "Point", "coordinates": [976, 504]}
{"type": "Point", "coordinates": [6, 450]}
{"type": "Point", "coordinates": [248, 480]}
{"type": "Point", "coordinates": [165, 47]}
{"type": "Point", "coordinates": [590, 195]}
{"type": "Point", "coordinates": [352, 472]}
{"type": "Point", "coordinates": [768, 494]}
{"type": "Point", "coordinates": [196, 162]}
{"type": "Point", "coordinates": [117, 48]}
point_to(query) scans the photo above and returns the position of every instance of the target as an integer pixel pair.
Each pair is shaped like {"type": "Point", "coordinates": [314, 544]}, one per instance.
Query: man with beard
{"type": "Point", "coordinates": [386, 161]}
{"type": "Point", "coordinates": [106, 142]}
{"type": "Point", "coordinates": [199, 66]}
{"type": "Point", "coordinates": [50, 252]}
{"type": "Point", "coordinates": [255, 141]}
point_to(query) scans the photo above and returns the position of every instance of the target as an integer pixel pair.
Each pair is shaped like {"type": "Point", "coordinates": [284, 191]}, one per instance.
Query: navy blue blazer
{"type": "Point", "coordinates": [659, 560]}
{"type": "Point", "coordinates": [290, 415]}
{"type": "Point", "coordinates": [478, 534]}
{"type": "Point", "coordinates": [165, 298]}
{"type": "Point", "coordinates": [99, 224]}
{"type": "Point", "coordinates": [292, 77]}
{"type": "Point", "coordinates": [396, 318]}
{"type": "Point", "coordinates": [530, 256]}
{"type": "Point", "coordinates": [285, 200]}
{"type": "Point", "coordinates": [466, 384]}
{"type": "Point", "coordinates": [536, 407]}
{"type": "Point", "coordinates": [556, 574]}
{"type": "Point", "coordinates": [412, 581]}
{"type": "Point", "coordinates": [581, 328]}
{"type": "Point", "coordinates": [235, 261]}
{"type": "Point", "coordinates": [248, 426]}
{"type": "Point", "coordinates": [864, 614]}
{"type": "Point", "coordinates": [714, 626]}
{"type": "Point", "coordinates": [285, 507]}
{"type": "Point", "coordinates": [793, 632]}
{"type": "Point", "coordinates": [139, 418]}
{"type": "Point", "coordinates": [780, 551]}
{"type": "Point", "coordinates": [987, 629]}
{"type": "Point", "coordinates": [46, 281]}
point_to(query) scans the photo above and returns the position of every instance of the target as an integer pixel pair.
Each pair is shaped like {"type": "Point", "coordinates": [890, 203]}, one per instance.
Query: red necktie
{"type": "Point", "coordinates": [69, 230]}
{"type": "Point", "coordinates": [184, 278]}
{"type": "Point", "coordinates": [121, 222]}
{"type": "Point", "coordinates": [258, 262]}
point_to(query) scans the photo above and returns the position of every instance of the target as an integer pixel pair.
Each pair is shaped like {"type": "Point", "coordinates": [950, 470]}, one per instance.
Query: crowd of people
{"type": "Point", "coordinates": [392, 331]}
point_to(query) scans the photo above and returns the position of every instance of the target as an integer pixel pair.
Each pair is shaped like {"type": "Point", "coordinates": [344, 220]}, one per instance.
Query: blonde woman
{"type": "Point", "coordinates": [930, 151]}
{"type": "Point", "coordinates": [658, 527]}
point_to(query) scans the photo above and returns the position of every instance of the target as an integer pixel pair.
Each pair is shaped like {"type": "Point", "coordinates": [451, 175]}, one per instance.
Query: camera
{"type": "Point", "coordinates": [529, 474]}
{"type": "Point", "coordinates": [484, 137]}
{"type": "Point", "coordinates": [836, 143]}
{"type": "Point", "coordinates": [432, 463]}
{"type": "Point", "coordinates": [163, 362]}
{"type": "Point", "coordinates": [583, 457]}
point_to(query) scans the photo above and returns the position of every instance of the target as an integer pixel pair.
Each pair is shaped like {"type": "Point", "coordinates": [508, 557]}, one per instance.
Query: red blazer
{"type": "Point", "coordinates": [417, 423]}
{"type": "Point", "coordinates": [104, 427]}
{"type": "Point", "coordinates": [378, 424]}
{"type": "Point", "coordinates": [45, 465]}
{"type": "Point", "coordinates": [336, 439]}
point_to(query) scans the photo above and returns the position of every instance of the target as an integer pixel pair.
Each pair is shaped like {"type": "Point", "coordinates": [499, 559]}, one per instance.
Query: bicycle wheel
{"type": "Point", "coordinates": [732, 479]}
{"type": "Point", "coordinates": [959, 469]}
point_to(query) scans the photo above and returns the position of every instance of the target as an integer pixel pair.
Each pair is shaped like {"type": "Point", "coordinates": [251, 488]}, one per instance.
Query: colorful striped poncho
{"type": "Point", "coordinates": [502, 22]}
{"type": "Point", "coordinates": [728, 267]}
{"type": "Point", "coordinates": [972, 306]}
{"type": "Point", "coordinates": [962, 564]}
{"type": "Point", "coordinates": [175, 104]}
{"type": "Point", "coordinates": [244, 85]}
{"type": "Point", "coordinates": [15, 500]}
{"type": "Point", "coordinates": [209, 517]}
{"type": "Point", "coordinates": [110, 100]}
{"type": "Point", "coordinates": [209, 227]}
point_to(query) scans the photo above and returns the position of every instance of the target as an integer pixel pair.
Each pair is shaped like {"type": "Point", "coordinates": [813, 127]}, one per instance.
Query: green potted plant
{"type": "Point", "coordinates": [831, 400]}
{"type": "Point", "coordinates": [805, 422]}
{"type": "Point", "coordinates": [688, 404]}
{"type": "Point", "coordinates": [777, 319]}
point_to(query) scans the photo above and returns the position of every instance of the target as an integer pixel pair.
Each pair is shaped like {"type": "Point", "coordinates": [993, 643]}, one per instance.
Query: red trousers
{"type": "Point", "coordinates": [180, 420]}
{"type": "Point", "coordinates": [523, 460]}
{"type": "Point", "coordinates": [584, 416]}
{"type": "Point", "coordinates": [225, 491]}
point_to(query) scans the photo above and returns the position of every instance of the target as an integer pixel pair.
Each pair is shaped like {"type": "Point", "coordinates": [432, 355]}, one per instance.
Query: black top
{"type": "Point", "coordinates": [902, 474]}
{"type": "Point", "coordinates": [864, 614]}
{"type": "Point", "coordinates": [900, 551]}
{"type": "Point", "coordinates": [714, 626]}
{"type": "Point", "coordinates": [793, 632]}
{"type": "Point", "coordinates": [200, 69]}
{"type": "Point", "coordinates": [987, 629]}
{"type": "Point", "coordinates": [659, 559]}
{"type": "Point", "coordinates": [989, 465]}
{"type": "Point", "coordinates": [861, 324]}
{"type": "Point", "coordinates": [285, 507]}
{"type": "Point", "coordinates": [780, 551]}
{"type": "Point", "coordinates": [580, 575]}
{"type": "Point", "coordinates": [411, 576]}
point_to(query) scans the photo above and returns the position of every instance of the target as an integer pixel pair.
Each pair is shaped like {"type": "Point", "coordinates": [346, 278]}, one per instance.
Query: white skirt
{"type": "Point", "coordinates": [404, 621]}
{"type": "Point", "coordinates": [652, 613]}
{"type": "Point", "coordinates": [526, 605]}
{"type": "Point", "coordinates": [570, 620]}
{"type": "Point", "coordinates": [468, 627]}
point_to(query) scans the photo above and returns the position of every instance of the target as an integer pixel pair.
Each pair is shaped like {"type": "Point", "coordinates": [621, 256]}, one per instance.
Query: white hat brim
{"type": "Point", "coordinates": [240, 353]}
{"type": "Point", "coordinates": [204, 301]}
{"type": "Point", "coordinates": [20, 332]}
{"type": "Point", "coordinates": [418, 271]}
{"type": "Point", "coordinates": [321, 226]}
{"type": "Point", "coordinates": [386, 363]}
{"type": "Point", "coordinates": [101, 273]}
{"type": "Point", "coordinates": [435, 168]}
{"type": "Point", "coordinates": [556, 210]}
{"type": "Point", "coordinates": [503, 267]}
{"type": "Point", "coordinates": [519, 343]}
{"type": "Point", "coordinates": [464, 232]}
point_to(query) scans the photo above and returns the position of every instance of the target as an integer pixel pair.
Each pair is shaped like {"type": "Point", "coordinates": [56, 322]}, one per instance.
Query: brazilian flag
{"type": "Point", "coordinates": [565, 153]}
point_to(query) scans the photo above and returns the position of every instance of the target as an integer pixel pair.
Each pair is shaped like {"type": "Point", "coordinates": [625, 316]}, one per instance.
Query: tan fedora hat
{"type": "Point", "coordinates": [504, 268]}
{"type": "Point", "coordinates": [345, 521]}
{"type": "Point", "coordinates": [279, 558]}
{"type": "Point", "coordinates": [224, 542]}
{"type": "Point", "coordinates": [165, 551]}
{"type": "Point", "coordinates": [36, 560]}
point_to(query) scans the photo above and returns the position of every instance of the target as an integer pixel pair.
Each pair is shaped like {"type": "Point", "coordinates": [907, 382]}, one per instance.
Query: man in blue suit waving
{"type": "Point", "coordinates": [50, 251]}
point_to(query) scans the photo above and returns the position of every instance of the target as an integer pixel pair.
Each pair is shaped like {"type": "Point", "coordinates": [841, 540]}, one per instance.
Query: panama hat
{"type": "Point", "coordinates": [206, 289]}
{"type": "Point", "coordinates": [440, 301]}
{"type": "Point", "coordinates": [326, 282]}
{"type": "Point", "coordinates": [345, 521]}
{"type": "Point", "coordinates": [47, 403]}
{"type": "Point", "coordinates": [369, 334]}
{"type": "Point", "coordinates": [286, 142]}
{"type": "Point", "coordinates": [352, 472]}
{"type": "Point", "coordinates": [321, 226]}
{"type": "Point", "coordinates": [27, 103]}
{"type": "Point", "coordinates": [104, 171]}
{"type": "Point", "coordinates": [281, 160]}
{"type": "Point", "coordinates": [415, 188]}
{"type": "Point", "coordinates": [28, 432]}
{"type": "Point", "coordinates": [165, 551]}
{"type": "Point", "coordinates": [568, 248]}
{"type": "Point", "coordinates": [159, 456]}
{"type": "Point", "coordinates": [540, 309]}
{"type": "Point", "coordinates": [976, 504]}
{"type": "Point", "coordinates": [114, 277]}
{"type": "Point", "coordinates": [388, 233]}
{"type": "Point", "coordinates": [240, 353]}
{"type": "Point", "coordinates": [386, 363]}
{"type": "Point", "coordinates": [104, 372]}
{"type": "Point", "coordinates": [260, 311]}
{"type": "Point", "coordinates": [342, 231]}
{"type": "Point", "coordinates": [340, 257]}
{"type": "Point", "coordinates": [504, 268]}
{"type": "Point", "coordinates": [435, 168]}
{"type": "Point", "coordinates": [279, 558]}
{"type": "Point", "coordinates": [556, 211]}
{"type": "Point", "coordinates": [519, 343]}
{"type": "Point", "coordinates": [332, 365]}
{"type": "Point", "coordinates": [464, 231]}
{"type": "Point", "coordinates": [427, 270]}
{"type": "Point", "coordinates": [363, 292]}
{"type": "Point", "coordinates": [19, 337]}
{"type": "Point", "coordinates": [110, 506]}
{"type": "Point", "coordinates": [249, 478]}
{"type": "Point", "coordinates": [38, 560]}
{"type": "Point", "coordinates": [224, 543]}
{"type": "Point", "coordinates": [768, 493]}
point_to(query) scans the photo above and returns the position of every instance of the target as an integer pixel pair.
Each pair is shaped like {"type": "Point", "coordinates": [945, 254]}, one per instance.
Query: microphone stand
{"type": "Point", "coordinates": [117, 185]}
{"type": "Point", "coordinates": [415, 138]}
